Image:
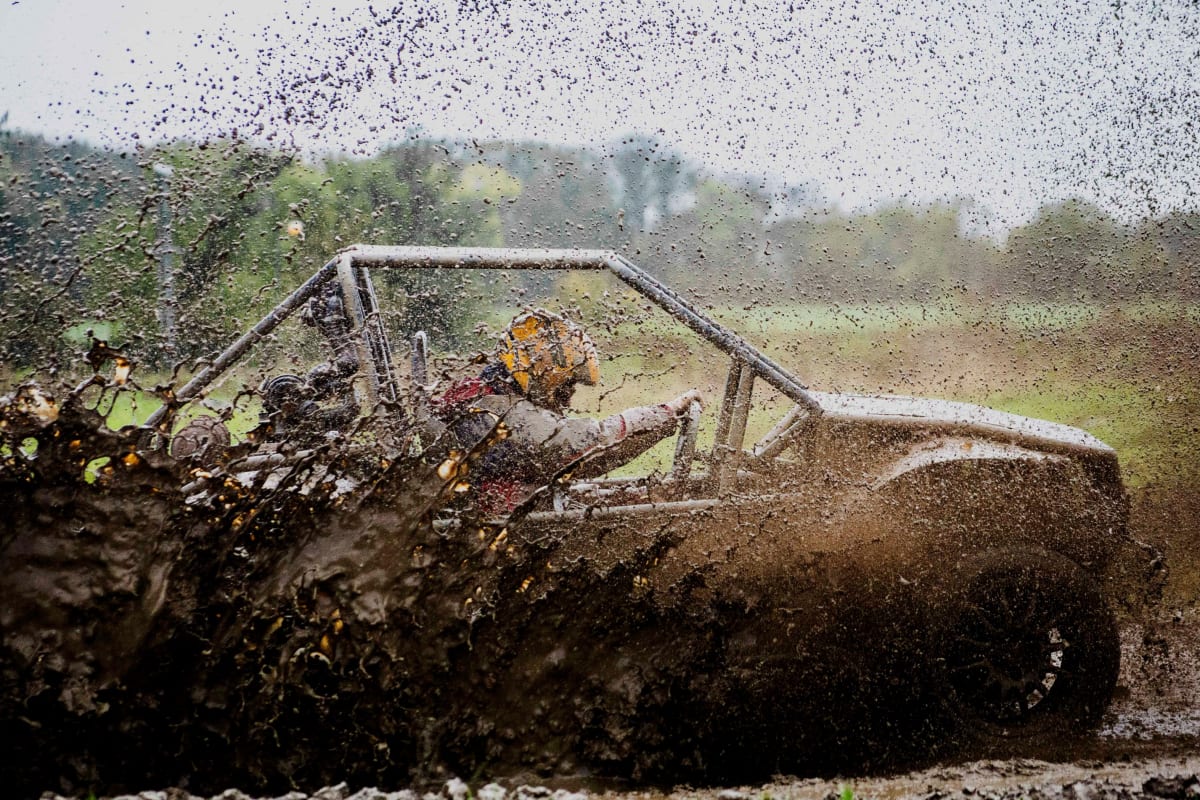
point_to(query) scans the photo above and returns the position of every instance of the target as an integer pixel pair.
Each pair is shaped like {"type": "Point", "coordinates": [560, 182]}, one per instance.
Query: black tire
{"type": "Point", "coordinates": [1029, 651]}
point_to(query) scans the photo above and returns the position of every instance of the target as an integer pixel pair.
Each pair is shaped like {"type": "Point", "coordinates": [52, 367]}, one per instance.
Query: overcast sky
{"type": "Point", "coordinates": [1005, 105]}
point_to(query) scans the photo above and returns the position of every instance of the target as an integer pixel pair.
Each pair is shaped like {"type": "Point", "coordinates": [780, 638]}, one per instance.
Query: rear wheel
{"type": "Point", "coordinates": [1030, 649]}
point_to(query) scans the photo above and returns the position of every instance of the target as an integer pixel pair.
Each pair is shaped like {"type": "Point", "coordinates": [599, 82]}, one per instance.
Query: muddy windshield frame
{"type": "Point", "coordinates": [351, 266]}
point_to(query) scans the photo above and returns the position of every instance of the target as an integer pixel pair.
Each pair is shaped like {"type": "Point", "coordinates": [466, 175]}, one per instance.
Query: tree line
{"type": "Point", "coordinates": [86, 234]}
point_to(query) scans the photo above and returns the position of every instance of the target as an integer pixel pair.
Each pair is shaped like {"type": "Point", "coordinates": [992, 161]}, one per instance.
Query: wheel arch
{"type": "Point", "coordinates": [958, 449]}
{"type": "Point", "coordinates": [952, 500]}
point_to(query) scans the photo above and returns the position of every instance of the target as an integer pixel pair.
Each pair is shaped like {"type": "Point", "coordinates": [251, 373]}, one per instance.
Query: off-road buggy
{"type": "Point", "coordinates": [929, 569]}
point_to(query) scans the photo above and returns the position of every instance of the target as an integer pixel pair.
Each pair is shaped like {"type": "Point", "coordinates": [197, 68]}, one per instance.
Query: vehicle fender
{"type": "Point", "coordinates": [958, 449]}
{"type": "Point", "coordinates": [957, 496]}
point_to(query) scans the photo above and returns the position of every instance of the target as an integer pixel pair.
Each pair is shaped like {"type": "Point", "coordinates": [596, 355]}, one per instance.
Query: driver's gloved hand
{"type": "Point", "coordinates": [680, 405]}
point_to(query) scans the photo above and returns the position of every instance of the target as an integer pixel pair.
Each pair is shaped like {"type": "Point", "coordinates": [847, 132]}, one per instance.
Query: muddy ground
{"type": "Point", "coordinates": [1166, 778]}
{"type": "Point", "coordinates": [1147, 747]}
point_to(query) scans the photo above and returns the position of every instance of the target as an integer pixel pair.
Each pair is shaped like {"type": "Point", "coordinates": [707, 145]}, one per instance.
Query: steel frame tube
{"type": "Point", "coordinates": [561, 259]}
{"type": "Point", "coordinates": [383, 257]}
{"type": "Point", "coordinates": [721, 437]}
{"type": "Point", "coordinates": [248, 339]}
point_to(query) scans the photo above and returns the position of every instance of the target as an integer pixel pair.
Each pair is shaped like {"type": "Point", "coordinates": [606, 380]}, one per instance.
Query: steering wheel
{"type": "Point", "coordinates": [685, 444]}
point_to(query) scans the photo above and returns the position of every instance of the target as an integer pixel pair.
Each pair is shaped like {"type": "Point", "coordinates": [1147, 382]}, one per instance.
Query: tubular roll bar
{"type": "Point", "coordinates": [384, 257]}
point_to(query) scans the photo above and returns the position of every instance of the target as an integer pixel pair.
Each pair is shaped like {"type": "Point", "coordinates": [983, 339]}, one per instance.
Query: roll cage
{"type": "Point", "coordinates": [376, 379]}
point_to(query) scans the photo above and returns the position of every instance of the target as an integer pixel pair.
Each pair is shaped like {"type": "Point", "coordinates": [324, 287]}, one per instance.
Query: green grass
{"type": "Point", "coordinates": [126, 407]}
{"type": "Point", "coordinates": [836, 318]}
{"type": "Point", "coordinates": [134, 407]}
{"type": "Point", "coordinates": [1048, 316]}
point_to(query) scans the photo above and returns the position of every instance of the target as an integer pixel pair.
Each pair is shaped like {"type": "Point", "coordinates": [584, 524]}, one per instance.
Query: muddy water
{"type": "Point", "coordinates": [1159, 693]}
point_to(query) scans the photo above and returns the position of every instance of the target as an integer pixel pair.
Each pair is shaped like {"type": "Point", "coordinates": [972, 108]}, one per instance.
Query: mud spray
{"type": "Point", "coordinates": [165, 623]}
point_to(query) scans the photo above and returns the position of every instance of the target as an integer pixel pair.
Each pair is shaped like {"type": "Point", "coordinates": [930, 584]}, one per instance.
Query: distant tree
{"type": "Point", "coordinates": [896, 252]}
{"type": "Point", "coordinates": [450, 198]}
{"type": "Point", "coordinates": [1070, 251]}
{"type": "Point", "coordinates": [51, 195]}
{"type": "Point", "coordinates": [214, 198]}
{"type": "Point", "coordinates": [648, 175]}
{"type": "Point", "coordinates": [719, 241]}
{"type": "Point", "coordinates": [798, 259]}
{"type": "Point", "coordinates": [565, 198]}
{"type": "Point", "coordinates": [249, 224]}
{"type": "Point", "coordinates": [1168, 256]}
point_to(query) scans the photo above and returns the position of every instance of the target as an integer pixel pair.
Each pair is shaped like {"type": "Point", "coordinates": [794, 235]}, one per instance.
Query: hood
{"type": "Point", "coordinates": [946, 413]}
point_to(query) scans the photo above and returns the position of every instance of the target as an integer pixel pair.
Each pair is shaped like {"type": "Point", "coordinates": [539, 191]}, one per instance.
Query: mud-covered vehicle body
{"type": "Point", "coordinates": [874, 568]}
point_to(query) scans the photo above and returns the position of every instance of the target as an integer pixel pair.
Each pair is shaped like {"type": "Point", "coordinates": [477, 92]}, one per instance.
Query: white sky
{"type": "Point", "coordinates": [1007, 105]}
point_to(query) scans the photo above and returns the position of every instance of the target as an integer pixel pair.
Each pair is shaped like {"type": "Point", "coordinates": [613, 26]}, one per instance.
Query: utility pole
{"type": "Point", "coordinates": [166, 259]}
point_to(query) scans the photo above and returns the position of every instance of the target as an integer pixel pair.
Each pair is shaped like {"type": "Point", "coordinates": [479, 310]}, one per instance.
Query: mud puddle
{"type": "Point", "coordinates": [1173, 777]}
{"type": "Point", "coordinates": [1151, 724]}
{"type": "Point", "coordinates": [1159, 690]}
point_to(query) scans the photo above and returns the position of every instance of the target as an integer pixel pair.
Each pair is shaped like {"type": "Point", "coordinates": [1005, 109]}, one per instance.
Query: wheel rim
{"type": "Point", "coordinates": [1011, 654]}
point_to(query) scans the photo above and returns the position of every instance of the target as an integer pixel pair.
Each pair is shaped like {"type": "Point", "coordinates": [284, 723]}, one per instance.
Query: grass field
{"type": "Point", "coordinates": [1130, 376]}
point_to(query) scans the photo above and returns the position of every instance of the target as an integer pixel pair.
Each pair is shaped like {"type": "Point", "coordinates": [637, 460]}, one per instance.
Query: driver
{"type": "Point", "coordinates": [541, 359]}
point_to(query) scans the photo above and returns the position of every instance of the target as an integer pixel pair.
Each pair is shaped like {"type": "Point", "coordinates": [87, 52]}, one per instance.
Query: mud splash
{"type": "Point", "coordinates": [167, 623]}
{"type": "Point", "coordinates": [164, 623]}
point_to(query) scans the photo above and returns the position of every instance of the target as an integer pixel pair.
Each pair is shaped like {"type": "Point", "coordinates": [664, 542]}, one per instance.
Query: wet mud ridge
{"type": "Point", "coordinates": [168, 622]}
{"type": "Point", "coordinates": [1155, 779]}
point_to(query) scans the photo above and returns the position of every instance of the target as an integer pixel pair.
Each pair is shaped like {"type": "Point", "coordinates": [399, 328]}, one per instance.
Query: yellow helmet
{"type": "Point", "coordinates": [545, 353]}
